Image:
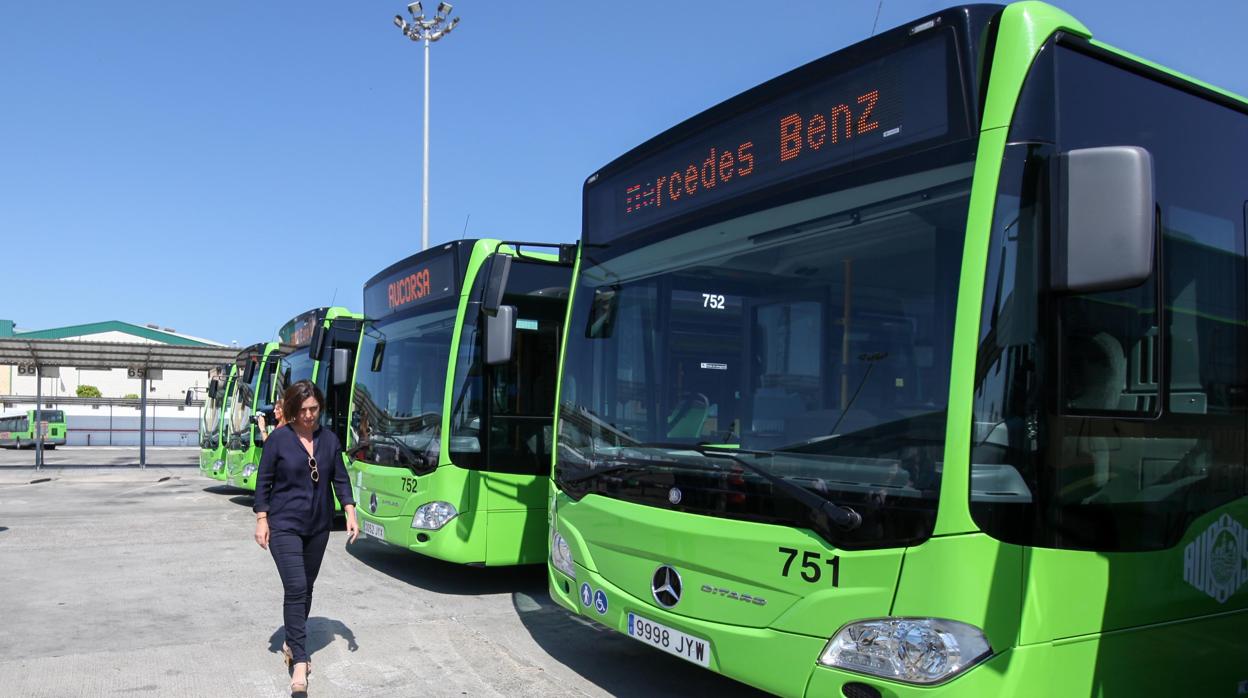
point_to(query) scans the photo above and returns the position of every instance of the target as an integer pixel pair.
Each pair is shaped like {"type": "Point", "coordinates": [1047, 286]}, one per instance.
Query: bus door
{"type": "Point", "coordinates": [344, 333]}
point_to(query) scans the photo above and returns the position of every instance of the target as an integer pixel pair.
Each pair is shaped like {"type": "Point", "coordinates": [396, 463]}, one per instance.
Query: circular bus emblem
{"type": "Point", "coordinates": [665, 586]}
{"type": "Point", "coordinates": [674, 495]}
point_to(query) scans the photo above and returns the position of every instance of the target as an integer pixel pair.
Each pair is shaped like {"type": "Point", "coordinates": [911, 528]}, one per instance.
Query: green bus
{"type": "Point", "coordinates": [321, 345]}
{"type": "Point", "coordinates": [18, 431]}
{"type": "Point", "coordinates": [213, 418]}
{"type": "Point", "coordinates": [254, 392]}
{"type": "Point", "coordinates": [454, 398]}
{"type": "Point", "coordinates": [921, 369]}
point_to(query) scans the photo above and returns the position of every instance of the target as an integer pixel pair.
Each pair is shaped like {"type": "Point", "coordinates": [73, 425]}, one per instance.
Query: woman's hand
{"type": "Point", "coordinates": [353, 528]}
{"type": "Point", "coordinates": [262, 532]}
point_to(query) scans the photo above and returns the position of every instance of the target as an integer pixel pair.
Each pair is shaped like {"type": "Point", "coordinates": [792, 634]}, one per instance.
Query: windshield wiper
{"type": "Point", "coordinates": [838, 514]}
{"type": "Point", "coordinates": [412, 454]}
{"type": "Point", "coordinates": [614, 467]}
{"type": "Point", "coordinates": [617, 464]}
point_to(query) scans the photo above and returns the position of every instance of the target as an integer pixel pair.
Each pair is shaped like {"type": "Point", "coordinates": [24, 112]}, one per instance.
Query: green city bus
{"type": "Point", "coordinates": [321, 345]}
{"type": "Point", "coordinates": [212, 422]}
{"type": "Point", "coordinates": [454, 397]}
{"type": "Point", "coordinates": [256, 368]}
{"type": "Point", "coordinates": [921, 369]}
{"type": "Point", "coordinates": [314, 345]}
{"type": "Point", "coordinates": [18, 431]}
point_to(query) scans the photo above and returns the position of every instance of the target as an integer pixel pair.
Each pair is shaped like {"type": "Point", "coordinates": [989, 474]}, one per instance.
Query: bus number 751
{"type": "Point", "coordinates": [811, 570]}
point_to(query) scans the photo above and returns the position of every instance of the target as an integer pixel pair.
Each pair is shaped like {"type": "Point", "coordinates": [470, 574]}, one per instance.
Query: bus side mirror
{"type": "Point", "coordinates": [190, 397]}
{"type": "Point", "coordinates": [1105, 223]}
{"type": "Point", "coordinates": [602, 311]}
{"type": "Point", "coordinates": [214, 387]}
{"type": "Point", "coordinates": [379, 355]}
{"type": "Point", "coordinates": [496, 283]}
{"type": "Point", "coordinates": [342, 367]}
{"type": "Point", "coordinates": [500, 329]}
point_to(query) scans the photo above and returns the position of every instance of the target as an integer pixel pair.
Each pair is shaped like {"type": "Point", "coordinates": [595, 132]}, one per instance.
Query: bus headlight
{"type": "Point", "coordinates": [913, 650]}
{"type": "Point", "coordinates": [561, 555]}
{"type": "Point", "coordinates": [433, 515]}
{"type": "Point", "coordinates": [249, 470]}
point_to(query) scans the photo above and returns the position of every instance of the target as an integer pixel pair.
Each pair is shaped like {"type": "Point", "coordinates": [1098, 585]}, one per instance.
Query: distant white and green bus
{"type": "Point", "coordinates": [18, 430]}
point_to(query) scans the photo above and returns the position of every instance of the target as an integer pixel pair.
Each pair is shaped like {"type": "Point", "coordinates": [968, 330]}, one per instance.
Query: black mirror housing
{"type": "Point", "coordinates": [316, 347]}
{"type": "Point", "coordinates": [496, 283]}
{"type": "Point", "coordinates": [379, 355]}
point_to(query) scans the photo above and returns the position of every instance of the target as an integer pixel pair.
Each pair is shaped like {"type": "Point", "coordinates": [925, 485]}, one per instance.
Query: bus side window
{"type": "Point", "coordinates": [1151, 381]}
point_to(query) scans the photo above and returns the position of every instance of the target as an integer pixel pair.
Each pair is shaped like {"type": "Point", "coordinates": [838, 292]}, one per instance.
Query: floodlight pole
{"type": "Point", "coordinates": [428, 31]}
{"type": "Point", "coordinates": [424, 179]}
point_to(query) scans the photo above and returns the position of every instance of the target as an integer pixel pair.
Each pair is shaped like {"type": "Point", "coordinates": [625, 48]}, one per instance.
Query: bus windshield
{"type": "Point", "coordinates": [811, 340]}
{"type": "Point", "coordinates": [398, 408]}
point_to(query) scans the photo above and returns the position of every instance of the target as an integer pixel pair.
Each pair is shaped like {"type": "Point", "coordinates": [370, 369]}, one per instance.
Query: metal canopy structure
{"type": "Point", "coordinates": [36, 356]}
{"type": "Point", "coordinates": [106, 355]}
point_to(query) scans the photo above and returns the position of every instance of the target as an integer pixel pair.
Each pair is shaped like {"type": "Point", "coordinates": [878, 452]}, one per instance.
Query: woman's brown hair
{"type": "Point", "coordinates": [296, 394]}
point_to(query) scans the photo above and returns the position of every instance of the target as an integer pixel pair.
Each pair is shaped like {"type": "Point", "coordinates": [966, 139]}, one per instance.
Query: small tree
{"type": "Point", "coordinates": [130, 396]}
{"type": "Point", "coordinates": [88, 391]}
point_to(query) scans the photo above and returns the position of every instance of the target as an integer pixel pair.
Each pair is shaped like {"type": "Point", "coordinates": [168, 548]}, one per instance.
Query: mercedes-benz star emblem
{"type": "Point", "coordinates": [372, 503]}
{"type": "Point", "coordinates": [674, 495]}
{"type": "Point", "coordinates": [665, 586]}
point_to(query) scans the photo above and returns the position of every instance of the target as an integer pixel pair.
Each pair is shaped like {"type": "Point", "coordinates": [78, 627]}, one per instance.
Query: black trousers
{"type": "Point", "coordinates": [298, 561]}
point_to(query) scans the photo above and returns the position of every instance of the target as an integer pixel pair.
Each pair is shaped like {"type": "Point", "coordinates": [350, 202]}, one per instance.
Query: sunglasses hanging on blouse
{"type": "Point", "coordinates": [316, 475]}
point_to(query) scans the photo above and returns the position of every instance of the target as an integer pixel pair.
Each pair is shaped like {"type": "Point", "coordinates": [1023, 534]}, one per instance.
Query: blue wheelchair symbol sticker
{"type": "Point", "coordinates": [600, 602]}
{"type": "Point", "coordinates": [587, 595]}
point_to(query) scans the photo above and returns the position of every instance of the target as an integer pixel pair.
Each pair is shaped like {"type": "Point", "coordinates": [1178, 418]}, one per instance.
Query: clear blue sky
{"type": "Point", "coordinates": [220, 167]}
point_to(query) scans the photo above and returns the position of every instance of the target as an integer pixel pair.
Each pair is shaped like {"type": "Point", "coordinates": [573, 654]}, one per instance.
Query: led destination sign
{"type": "Point", "coordinates": [298, 331]}
{"type": "Point", "coordinates": [411, 286]}
{"type": "Point", "coordinates": [830, 121]}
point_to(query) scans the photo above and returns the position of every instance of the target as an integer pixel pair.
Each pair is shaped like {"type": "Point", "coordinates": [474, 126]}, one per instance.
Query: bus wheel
{"type": "Point", "coordinates": [49, 447]}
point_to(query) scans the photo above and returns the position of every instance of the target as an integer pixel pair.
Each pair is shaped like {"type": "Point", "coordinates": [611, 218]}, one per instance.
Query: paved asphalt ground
{"type": "Point", "coordinates": [118, 581]}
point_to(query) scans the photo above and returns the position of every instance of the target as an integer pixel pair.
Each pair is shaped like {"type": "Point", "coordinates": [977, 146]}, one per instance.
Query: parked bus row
{"type": "Point", "coordinates": [921, 369]}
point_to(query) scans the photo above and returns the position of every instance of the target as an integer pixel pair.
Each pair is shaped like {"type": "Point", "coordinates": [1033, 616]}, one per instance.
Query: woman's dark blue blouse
{"type": "Point", "coordinates": [284, 486]}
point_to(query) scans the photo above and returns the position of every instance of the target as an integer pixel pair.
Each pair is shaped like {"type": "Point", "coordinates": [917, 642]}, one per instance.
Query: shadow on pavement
{"type": "Point", "coordinates": [244, 500]}
{"type": "Point", "coordinates": [3, 529]}
{"type": "Point", "coordinates": [221, 489]}
{"type": "Point", "coordinates": [321, 632]}
{"type": "Point", "coordinates": [445, 577]}
{"type": "Point", "coordinates": [619, 665]}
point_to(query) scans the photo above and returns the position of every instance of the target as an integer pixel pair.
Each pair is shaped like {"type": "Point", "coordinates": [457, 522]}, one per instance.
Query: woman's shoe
{"type": "Point", "coordinates": [300, 686]}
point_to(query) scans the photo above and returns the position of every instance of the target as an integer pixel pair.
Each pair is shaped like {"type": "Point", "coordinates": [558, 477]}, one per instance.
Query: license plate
{"type": "Point", "coordinates": [670, 640]}
{"type": "Point", "coordinates": [373, 530]}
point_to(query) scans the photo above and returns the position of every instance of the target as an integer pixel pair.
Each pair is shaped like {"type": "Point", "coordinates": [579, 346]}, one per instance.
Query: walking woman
{"type": "Point", "coordinates": [294, 509]}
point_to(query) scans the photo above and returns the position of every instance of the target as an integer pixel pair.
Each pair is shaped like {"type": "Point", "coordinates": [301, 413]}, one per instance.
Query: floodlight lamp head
{"type": "Point", "coordinates": [415, 10]}
{"type": "Point", "coordinates": [451, 26]}
{"type": "Point", "coordinates": [444, 8]}
{"type": "Point", "coordinates": [400, 22]}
